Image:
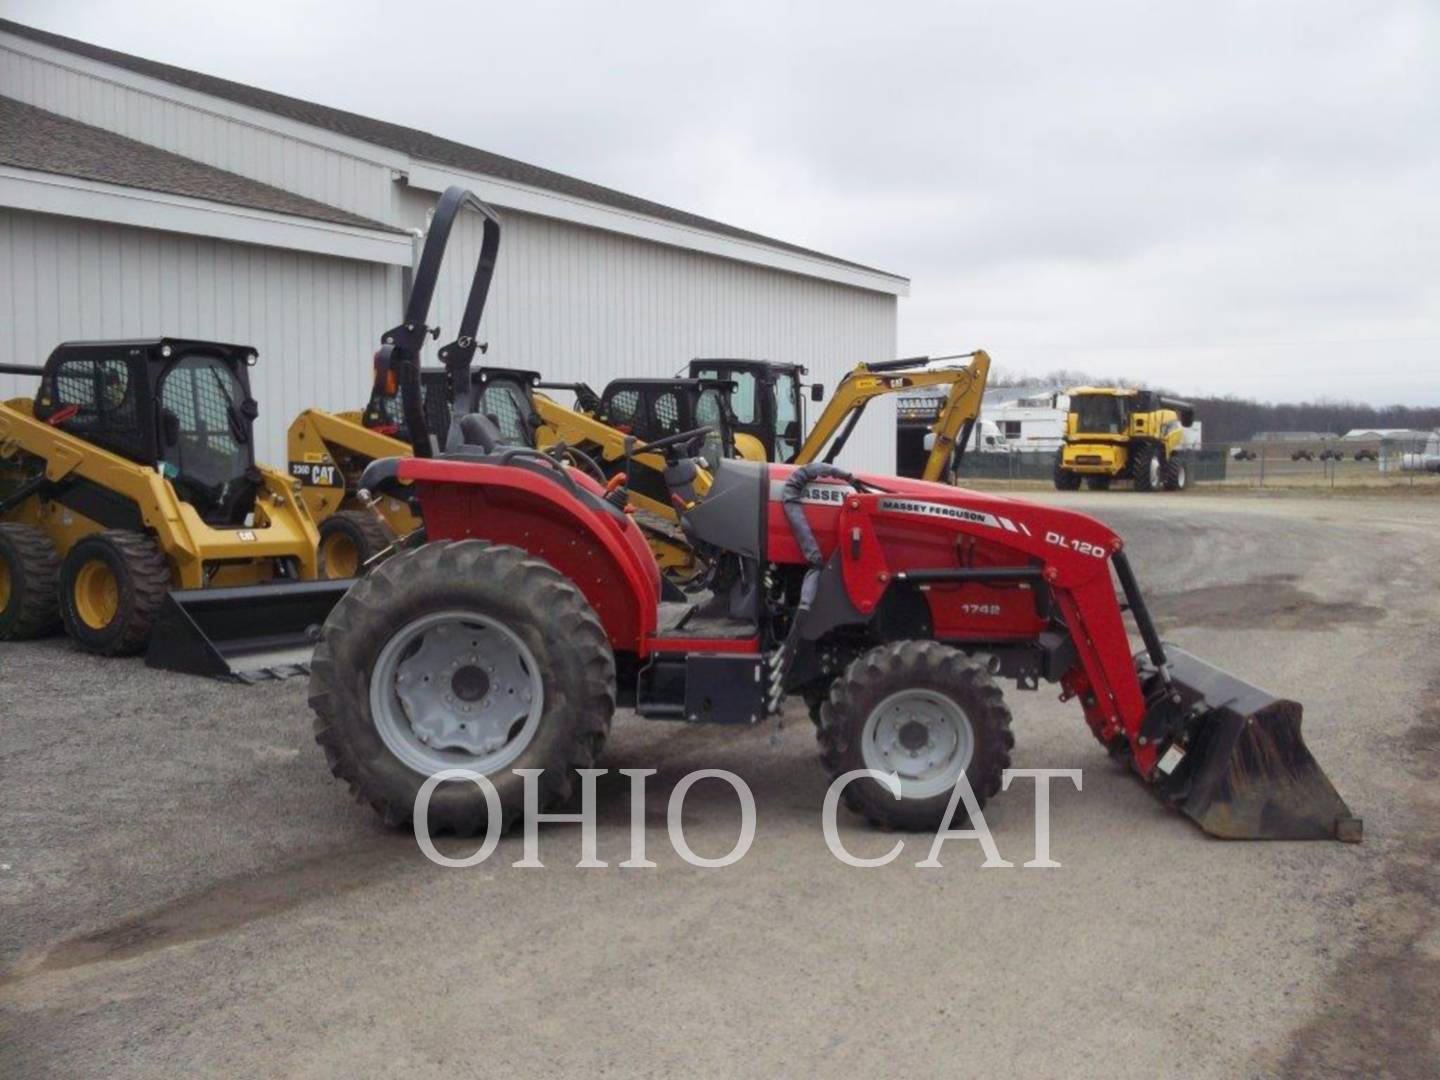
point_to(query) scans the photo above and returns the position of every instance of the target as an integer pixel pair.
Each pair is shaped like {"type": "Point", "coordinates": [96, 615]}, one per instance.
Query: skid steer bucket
{"type": "Point", "coordinates": [1245, 772]}
{"type": "Point", "coordinates": [249, 632]}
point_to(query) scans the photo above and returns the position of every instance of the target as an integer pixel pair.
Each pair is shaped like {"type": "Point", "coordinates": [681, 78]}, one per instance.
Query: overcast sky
{"type": "Point", "coordinates": [1215, 197]}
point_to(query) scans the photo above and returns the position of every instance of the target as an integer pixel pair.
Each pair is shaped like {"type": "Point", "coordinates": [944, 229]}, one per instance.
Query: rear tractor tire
{"type": "Point", "coordinates": [1098, 483]}
{"type": "Point", "coordinates": [461, 655]}
{"type": "Point", "coordinates": [1177, 474]}
{"type": "Point", "coordinates": [348, 540]}
{"type": "Point", "coordinates": [1148, 468]}
{"type": "Point", "coordinates": [112, 584]}
{"type": "Point", "coordinates": [925, 712]}
{"type": "Point", "coordinates": [29, 568]}
{"type": "Point", "coordinates": [1065, 479]}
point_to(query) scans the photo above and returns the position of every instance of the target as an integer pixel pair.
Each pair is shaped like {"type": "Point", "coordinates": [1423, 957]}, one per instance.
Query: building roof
{"type": "Point", "coordinates": [41, 141]}
{"type": "Point", "coordinates": [416, 143]}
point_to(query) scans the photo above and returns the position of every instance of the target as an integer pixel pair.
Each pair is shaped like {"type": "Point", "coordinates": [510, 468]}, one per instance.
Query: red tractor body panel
{"type": "Point", "coordinates": [596, 549]}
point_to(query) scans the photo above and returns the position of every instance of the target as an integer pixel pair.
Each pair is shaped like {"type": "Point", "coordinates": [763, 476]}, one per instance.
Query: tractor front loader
{"type": "Point", "coordinates": [133, 513]}
{"type": "Point", "coordinates": [892, 607]}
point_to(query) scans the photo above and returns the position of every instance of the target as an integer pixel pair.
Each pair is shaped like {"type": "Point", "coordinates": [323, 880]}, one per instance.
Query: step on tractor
{"type": "Point", "coordinates": [893, 608]}
{"type": "Point", "coordinates": [768, 406]}
{"type": "Point", "coordinates": [132, 513]}
{"type": "Point", "coordinates": [1117, 434]}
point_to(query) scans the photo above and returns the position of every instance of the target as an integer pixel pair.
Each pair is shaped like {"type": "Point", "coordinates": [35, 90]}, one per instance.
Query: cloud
{"type": "Point", "coordinates": [1226, 197]}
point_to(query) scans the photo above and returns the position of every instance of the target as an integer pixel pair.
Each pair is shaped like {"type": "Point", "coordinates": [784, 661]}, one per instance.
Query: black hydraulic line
{"type": "Point", "coordinates": [845, 432]}
{"type": "Point", "coordinates": [21, 369]}
{"type": "Point", "coordinates": [1139, 611]}
{"type": "Point", "coordinates": [962, 441]}
{"type": "Point", "coordinates": [896, 365]}
{"type": "Point", "coordinates": [972, 573]}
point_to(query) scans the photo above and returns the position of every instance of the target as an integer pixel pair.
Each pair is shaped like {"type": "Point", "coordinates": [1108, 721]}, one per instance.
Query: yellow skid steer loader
{"type": "Point", "coordinates": [133, 513]}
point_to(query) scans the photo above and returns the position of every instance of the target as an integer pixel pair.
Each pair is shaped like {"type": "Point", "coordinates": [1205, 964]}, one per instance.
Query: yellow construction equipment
{"type": "Point", "coordinates": [328, 452]}
{"type": "Point", "coordinates": [1118, 433]}
{"type": "Point", "coordinates": [132, 511]}
{"type": "Point", "coordinates": [767, 406]}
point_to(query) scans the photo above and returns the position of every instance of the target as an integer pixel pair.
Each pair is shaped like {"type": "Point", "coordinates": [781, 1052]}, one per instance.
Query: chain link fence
{"type": "Point", "coordinates": [1389, 463]}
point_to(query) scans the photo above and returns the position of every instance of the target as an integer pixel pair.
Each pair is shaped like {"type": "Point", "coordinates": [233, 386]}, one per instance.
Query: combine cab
{"type": "Point", "coordinates": [132, 511]}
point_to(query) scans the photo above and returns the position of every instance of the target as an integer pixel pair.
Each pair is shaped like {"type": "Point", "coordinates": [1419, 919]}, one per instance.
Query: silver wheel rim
{"type": "Point", "coordinates": [456, 690]}
{"type": "Point", "coordinates": [1154, 471]}
{"type": "Point", "coordinates": [923, 736]}
{"type": "Point", "coordinates": [1180, 477]}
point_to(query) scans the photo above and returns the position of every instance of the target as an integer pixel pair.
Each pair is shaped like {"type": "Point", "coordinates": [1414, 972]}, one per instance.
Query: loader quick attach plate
{"type": "Point", "coordinates": [249, 633]}
{"type": "Point", "coordinates": [1246, 773]}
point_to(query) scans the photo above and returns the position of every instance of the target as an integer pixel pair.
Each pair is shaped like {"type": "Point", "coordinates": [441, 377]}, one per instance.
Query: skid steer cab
{"type": "Point", "coordinates": [132, 512]}
{"type": "Point", "coordinates": [893, 608]}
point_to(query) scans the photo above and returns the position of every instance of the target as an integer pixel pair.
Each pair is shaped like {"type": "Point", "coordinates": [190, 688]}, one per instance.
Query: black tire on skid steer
{"type": "Point", "coordinates": [112, 584]}
{"type": "Point", "coordinates": [911, 667]}
{"type": "Point", "coordinates": [1148, 467]}
{"type": "Point", "coordinates": [1065, 479]}
{"type": "Point", "coordinates": [349, 539]}
{"type": "Point", "coordinates": [1098, 483]}
{"type": "Point", "coordinates": [29, 568]}
{"type": "Point", "coordinates": [1176, 474]}
{"type": "Point", "coordinates": [506, 586]}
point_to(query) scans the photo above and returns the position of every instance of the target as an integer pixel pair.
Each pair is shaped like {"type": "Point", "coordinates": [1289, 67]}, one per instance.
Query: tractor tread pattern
{"type": "Point", "coordinates": [149, 573]}
{"type": "Point", "coordinates": [337, 690]}
{"type": "Point", "coordinates": [1140, 466]}
{"type": "Point", "coordinates": [37, 610]}
{"type": "Point", "coordinates": [895, 666]}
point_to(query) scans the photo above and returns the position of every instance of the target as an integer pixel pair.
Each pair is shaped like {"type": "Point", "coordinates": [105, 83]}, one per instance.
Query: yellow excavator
{"type": "Point", "coordinates": [768, 414]}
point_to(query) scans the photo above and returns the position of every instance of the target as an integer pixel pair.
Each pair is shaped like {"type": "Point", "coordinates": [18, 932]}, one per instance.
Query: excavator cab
{"type": "Point", "coordinates": [767, 404]}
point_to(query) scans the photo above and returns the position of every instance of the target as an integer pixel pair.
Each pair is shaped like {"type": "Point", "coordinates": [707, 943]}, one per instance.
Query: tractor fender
{"type": "Point", "coordinates": [602, 551]}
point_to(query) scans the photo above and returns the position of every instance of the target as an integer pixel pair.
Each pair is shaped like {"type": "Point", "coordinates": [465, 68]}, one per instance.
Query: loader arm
{"type": "Point", "coordinates": [1226, 753]}
{"type": "Point", "coordinates": [859, 387]}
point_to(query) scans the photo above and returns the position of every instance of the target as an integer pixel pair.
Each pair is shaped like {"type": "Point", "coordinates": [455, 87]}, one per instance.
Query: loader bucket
{"type": "Point", "coordinates": [249, 632]}
{"type": "Point", "coordinates": [1246, 773]}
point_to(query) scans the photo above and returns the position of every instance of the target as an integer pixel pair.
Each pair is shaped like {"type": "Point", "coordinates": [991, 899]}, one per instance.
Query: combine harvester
{"type": "Point", "coordinates": [132, 511]}
{"type": "Point", "coordinates": [534, 607]}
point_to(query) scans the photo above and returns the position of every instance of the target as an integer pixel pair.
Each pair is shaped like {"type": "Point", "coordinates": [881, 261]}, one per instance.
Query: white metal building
{"type": "Point", "coordinates": [139, 199]}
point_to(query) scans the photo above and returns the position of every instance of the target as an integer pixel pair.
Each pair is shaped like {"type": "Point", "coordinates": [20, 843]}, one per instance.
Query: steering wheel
{"type": "Point", "coordinates": [671, 442]}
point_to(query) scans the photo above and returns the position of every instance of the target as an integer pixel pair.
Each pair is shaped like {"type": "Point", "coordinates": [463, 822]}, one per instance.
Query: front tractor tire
{"type": "Point", "coordinates": [925, 712]}
{"type": "Point", "coordinates": [29, 568]}
{"type": "Point", "coordinates": [1148, 467]}
{"type": "Point", "coordinates": [461, 655]}
{"type": "Point", "coordinates": [348, 540]}
{"type": "Point", "coordinates": [112, 585]}
{"type": "Point", "coordinates": [1176, 473]}
{"type": "Point", "coordinates": [1065, 479]}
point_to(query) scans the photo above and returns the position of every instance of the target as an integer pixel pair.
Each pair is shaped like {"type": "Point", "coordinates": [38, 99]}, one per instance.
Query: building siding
{"type": "Point", "coordinates": [315, 321]}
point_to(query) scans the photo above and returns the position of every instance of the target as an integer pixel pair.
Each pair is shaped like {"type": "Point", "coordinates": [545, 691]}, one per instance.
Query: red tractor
{"type": "Point", "coordinates": [532, 607]}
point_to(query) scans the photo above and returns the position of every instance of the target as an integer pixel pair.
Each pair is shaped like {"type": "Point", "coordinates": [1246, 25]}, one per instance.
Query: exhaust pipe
{"type": "Point", "coordinates": [248, 633]}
